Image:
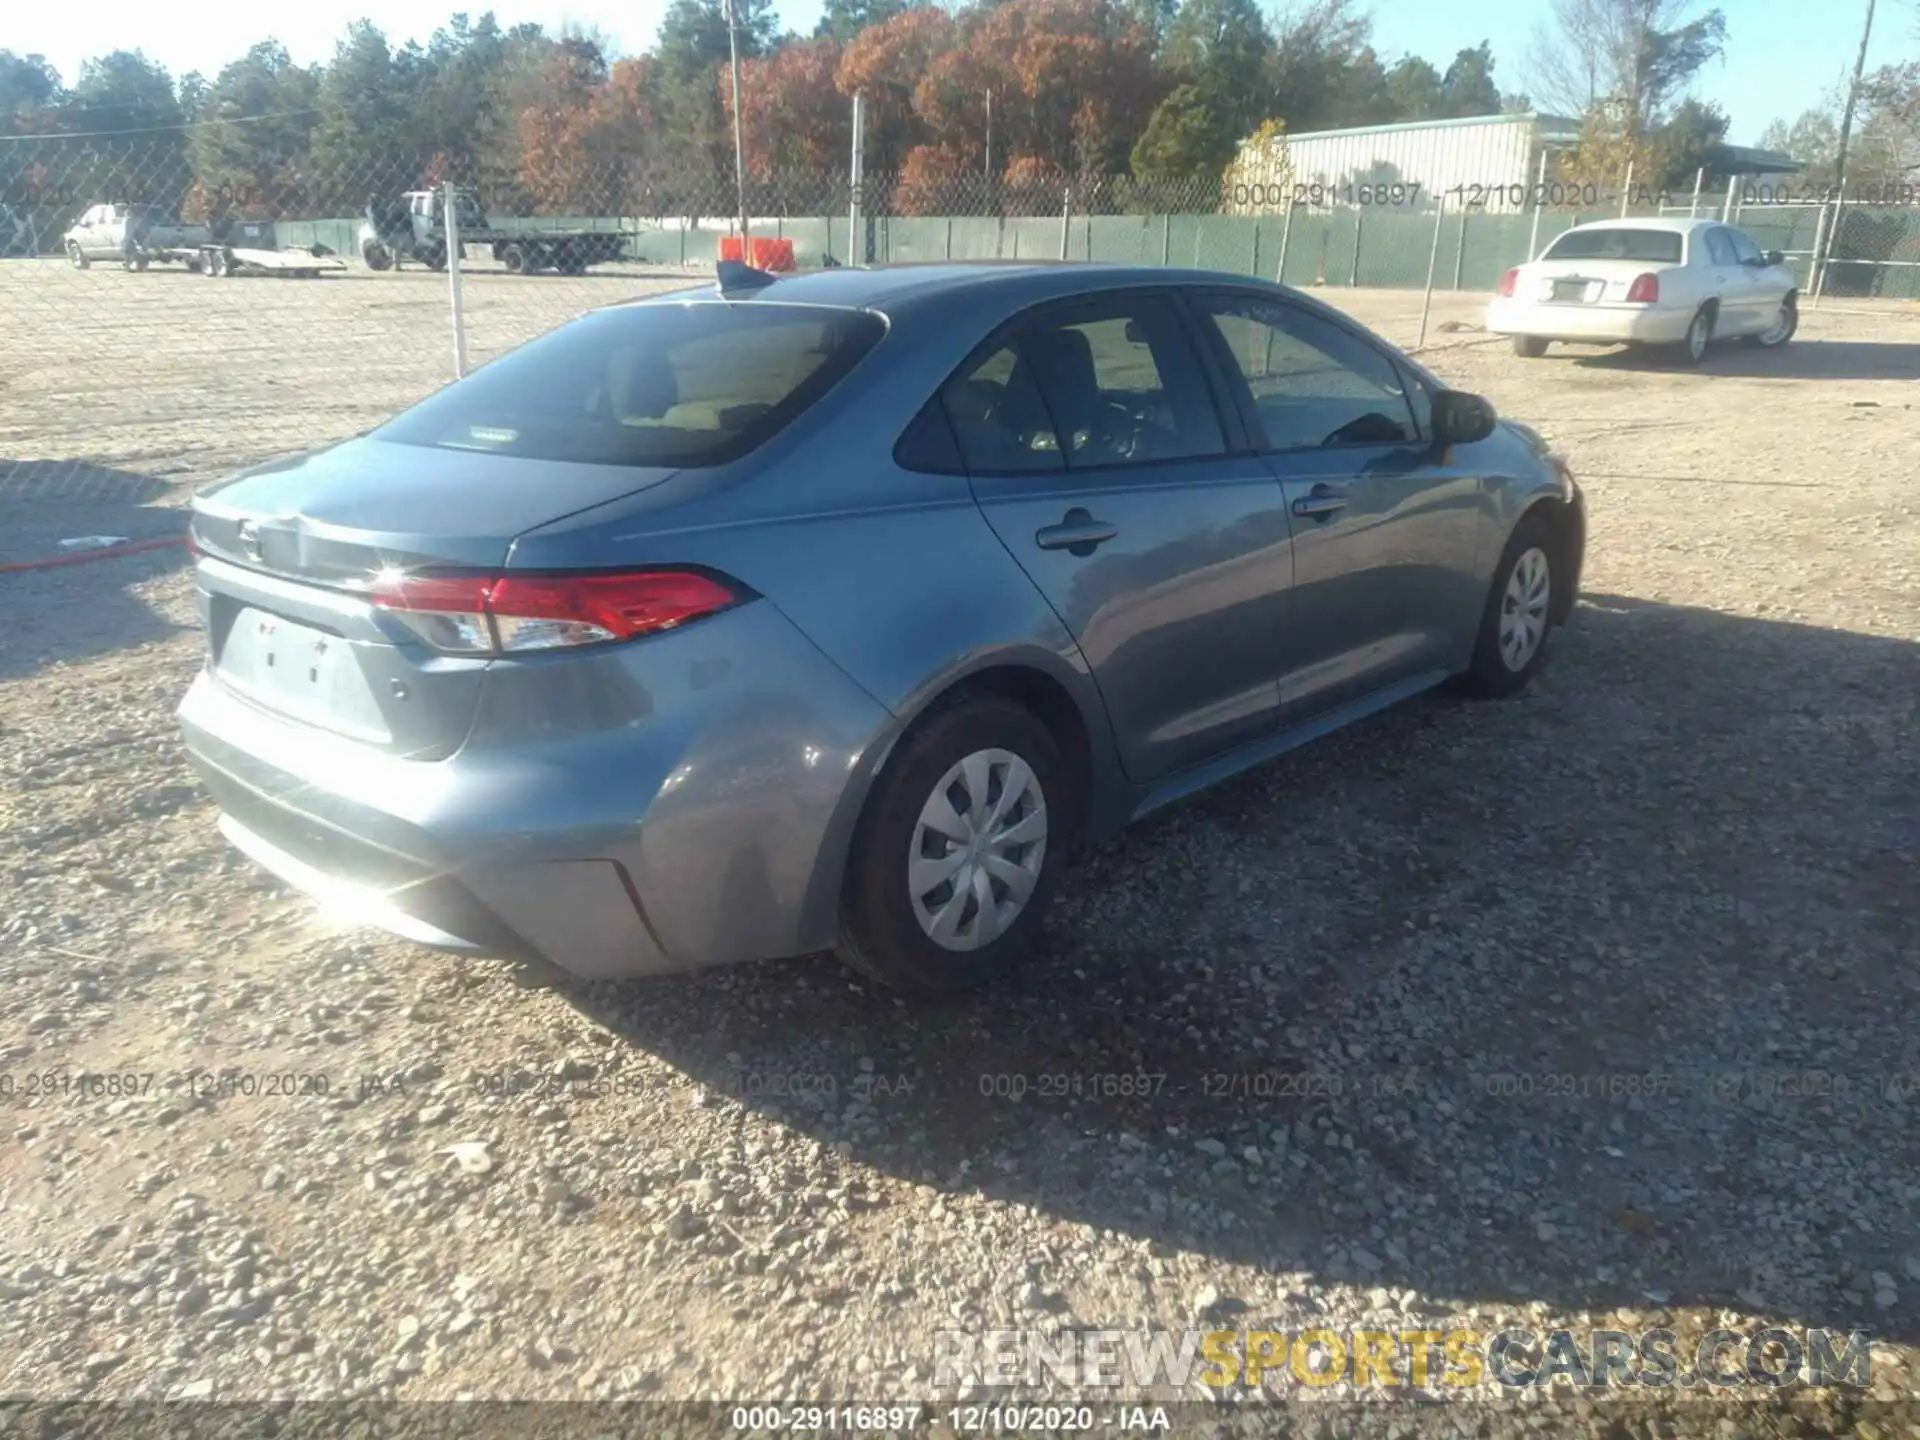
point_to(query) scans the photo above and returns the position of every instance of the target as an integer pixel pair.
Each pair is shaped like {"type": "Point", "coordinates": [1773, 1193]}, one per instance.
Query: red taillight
{"type": "Point", "coordinates": [1507, 282]}
{"type": "Point", "coordinates": [1645, 290]}
{"type": "Point", "coordinates": [514, 613]}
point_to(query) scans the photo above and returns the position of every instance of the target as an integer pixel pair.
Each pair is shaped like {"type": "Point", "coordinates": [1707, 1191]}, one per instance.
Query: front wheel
{"type": "Point", "coordinates": [957, 851]}
{"type": "Point", "coordinates": [1512, 642]}
{"type": "Point", "coordinates": [1781, 331]}
{"type": "Point", "coordinates": [76, 256]}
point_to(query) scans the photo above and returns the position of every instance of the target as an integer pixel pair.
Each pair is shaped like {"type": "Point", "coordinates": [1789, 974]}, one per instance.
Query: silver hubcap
{"type": "Point", "coordinates": [1523, 610]}
{"type": "Point", "coordinates": [1778, 331]}
{"type": "Point", "coordinates": [977, 850]}
{"type": "Point", "coordinates": [1697, 337]}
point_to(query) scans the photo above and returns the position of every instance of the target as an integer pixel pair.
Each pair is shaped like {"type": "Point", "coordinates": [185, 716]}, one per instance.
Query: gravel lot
{"type": "Point", "coordinates": [1597, 1001]}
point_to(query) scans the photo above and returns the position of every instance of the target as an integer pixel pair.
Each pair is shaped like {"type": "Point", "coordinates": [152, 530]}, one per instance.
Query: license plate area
{"type": "Point", "coordinates": [1572, 292]}
{"type": "Point", "coordinates": [304, 671]}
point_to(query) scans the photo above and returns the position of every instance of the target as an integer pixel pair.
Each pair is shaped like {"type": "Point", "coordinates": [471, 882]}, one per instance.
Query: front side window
{"type": "Point", "coordinates": [661, 384]}
{"type": "Point", "coordinates": [1745, 252]}
{"type": "Point", "coordinates": [1087, 389]}
{"type": "Point", "coordinates": [1314, 384]}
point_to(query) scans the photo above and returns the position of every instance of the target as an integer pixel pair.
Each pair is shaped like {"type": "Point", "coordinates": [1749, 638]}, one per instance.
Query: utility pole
{"type": "Point", "coordinates": [739, 145]}
{"type": "Point", "coordinates": [1840, 153]}
{"type": "Point", "coordinates": [989, 175]}
{"type": "Point", "coordinates": [1853, 99]}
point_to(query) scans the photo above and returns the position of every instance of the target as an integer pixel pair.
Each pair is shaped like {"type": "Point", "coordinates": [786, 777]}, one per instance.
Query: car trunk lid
{"type": "Point", "coordinates": [1582, 282]}
{"type": "Point", "coordinates": [290, 552]}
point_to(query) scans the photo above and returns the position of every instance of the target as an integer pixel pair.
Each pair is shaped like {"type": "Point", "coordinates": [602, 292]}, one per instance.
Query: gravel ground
{"type": "Point", "coordinates": [1592, 1008]}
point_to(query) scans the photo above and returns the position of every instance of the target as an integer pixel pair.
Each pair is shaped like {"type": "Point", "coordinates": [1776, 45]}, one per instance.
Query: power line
{"type": "Point", "coordinates": [193, 124]}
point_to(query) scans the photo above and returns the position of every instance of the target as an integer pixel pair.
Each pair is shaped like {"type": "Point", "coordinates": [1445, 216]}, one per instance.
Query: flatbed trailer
{"type": "Point", "coordinates": [249, 249]}
{"type": "Point", "coordinates": [414, 228]}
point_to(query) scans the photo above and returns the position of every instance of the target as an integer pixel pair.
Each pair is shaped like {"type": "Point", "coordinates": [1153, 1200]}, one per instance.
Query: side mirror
{"type": "Point", "coordinates": [1460, 418]}
{"type": "Point", "coordinates": [1774, 257]}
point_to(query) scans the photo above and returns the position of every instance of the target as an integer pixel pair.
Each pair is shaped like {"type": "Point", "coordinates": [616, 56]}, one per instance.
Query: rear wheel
{"type": "Point", "coordinates": [1529, 347]}
{"type": "Point", "coordinates": [1693, 348]}
{"type": "Point", "coordinates": [957, 851]}
{"type": "Point", "coordinates": [1781, 331]}
{"type": "Point", "coordinates": [514, 258]}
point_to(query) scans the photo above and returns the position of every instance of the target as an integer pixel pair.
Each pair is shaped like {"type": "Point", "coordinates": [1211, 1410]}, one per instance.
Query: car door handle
{"type": "Point", "coordinates": [1320, 504]}
{"type": "Point", "coordinates": [1078, 533]}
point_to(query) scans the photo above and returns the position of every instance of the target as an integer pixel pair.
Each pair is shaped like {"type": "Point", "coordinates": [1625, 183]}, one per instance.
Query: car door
{"type": "Point", "coordinates": [1731, 285]}
{"type": "Point", "coordinates": [1386, 589]}
{"type": "Point", "coordinates": [85, 228]}
{"type": "Point", "coordinates": [1766, 285]}
{"type": "Point", "coordinates": [1104, 456]}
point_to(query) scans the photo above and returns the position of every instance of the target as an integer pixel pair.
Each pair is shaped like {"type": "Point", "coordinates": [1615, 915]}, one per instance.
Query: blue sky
{"type": "Point", "coordinates": [1783, 56]}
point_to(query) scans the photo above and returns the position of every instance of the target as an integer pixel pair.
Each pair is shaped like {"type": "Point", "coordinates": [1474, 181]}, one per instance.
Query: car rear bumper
{"type": "Point", "coordinates": [712, 830]}
{"type": "Point", "coordinates": [1591, 324]}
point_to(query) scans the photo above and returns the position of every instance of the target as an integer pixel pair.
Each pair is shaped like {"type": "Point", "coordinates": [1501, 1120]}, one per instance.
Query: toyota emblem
{"type": "Point", "coordinates": [249, 537]}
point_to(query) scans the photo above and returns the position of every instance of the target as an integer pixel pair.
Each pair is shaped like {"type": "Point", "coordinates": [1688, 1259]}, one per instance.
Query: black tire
{"type": "Point", "coordinates": [880, 934]}
{"type": "Point", "coordinates": [1790, 314]}
{"type": "Point", "coordinates": [514, 258]}
{"type": "Point", "coordinates": [376, 256]}
{"type": "Point", "coordinates": [1529, 347]}
{"type": "Point", "coordinates": [77, 257]}
{"type": "Point", "coordinates": [1490, 676]}
{"type": "Point", "coordinates": [1687, 352]}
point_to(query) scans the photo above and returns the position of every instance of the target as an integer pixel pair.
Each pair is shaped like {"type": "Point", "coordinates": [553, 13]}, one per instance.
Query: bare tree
{"type": "Point", "coordinates": [1632, 58]}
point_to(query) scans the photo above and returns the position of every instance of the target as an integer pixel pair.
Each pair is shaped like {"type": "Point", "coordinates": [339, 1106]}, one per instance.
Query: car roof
{"type": "Point", "coordinates": [1014, 282]}
{"type": "Point", "coordinates": [1677, 224]}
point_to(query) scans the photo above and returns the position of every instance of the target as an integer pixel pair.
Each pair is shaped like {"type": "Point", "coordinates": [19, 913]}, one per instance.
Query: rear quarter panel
{"type": "Point", "coordinates": [893, 575]}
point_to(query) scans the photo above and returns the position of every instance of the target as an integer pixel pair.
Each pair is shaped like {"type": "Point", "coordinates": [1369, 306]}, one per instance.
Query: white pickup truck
{"type": "Point", "coordinates": [101, 234]}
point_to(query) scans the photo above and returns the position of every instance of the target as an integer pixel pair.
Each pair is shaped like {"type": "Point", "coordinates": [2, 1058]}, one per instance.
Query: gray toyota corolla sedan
{"type": "Point", "coordinates": [833, 611]}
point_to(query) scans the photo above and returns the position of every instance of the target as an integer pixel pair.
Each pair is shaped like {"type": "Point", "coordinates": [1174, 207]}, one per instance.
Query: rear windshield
{"type": "Point", "coordinates": [657, 384]}
{"type": "Point", "coordinates": [1654, 247]}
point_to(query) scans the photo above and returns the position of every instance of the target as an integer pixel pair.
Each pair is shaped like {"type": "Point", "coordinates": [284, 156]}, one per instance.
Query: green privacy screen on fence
{"type": "Point", "coordinates": [1877, 251]}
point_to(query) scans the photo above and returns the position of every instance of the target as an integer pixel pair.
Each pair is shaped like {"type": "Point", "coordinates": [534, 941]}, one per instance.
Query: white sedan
{"type": "Point", "coordinates": [1683, 283]}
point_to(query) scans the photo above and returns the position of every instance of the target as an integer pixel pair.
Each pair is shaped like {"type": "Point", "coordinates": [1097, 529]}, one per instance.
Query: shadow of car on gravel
{"type": "Point", "coordinates": [71, 611]}
{"type": "Point", "coordinates": [1798, 360]}
{"type": "Point", "coordinates": [1599, 998]}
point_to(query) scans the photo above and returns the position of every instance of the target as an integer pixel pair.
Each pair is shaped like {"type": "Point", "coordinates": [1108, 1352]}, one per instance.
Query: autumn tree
{"type": "Point", "coordinates": [557, 170]}
{"type": "Point", "coordinates": [795, 117]}
{"type": "Point", "coordinates": [885, 64]}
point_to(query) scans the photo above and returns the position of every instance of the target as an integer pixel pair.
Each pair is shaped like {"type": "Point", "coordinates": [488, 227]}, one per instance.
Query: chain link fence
{"type": "Point", "coordinates": [166, 307]}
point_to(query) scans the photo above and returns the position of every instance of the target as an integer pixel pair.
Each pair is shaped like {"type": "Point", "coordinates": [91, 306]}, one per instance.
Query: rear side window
{"type": "Point", "coordinates": [1745, 252]}
{"type": "Point", "coordinates": [1085, 387]}
{"type": "Point", "coordinates": [1651, 247]}
{"type": "Point", "coordinates": [1720, 248]}
{"type": "Point", "coordinates": [662, 384]}
{"type": "Point", "coordinates": [1000, 419]}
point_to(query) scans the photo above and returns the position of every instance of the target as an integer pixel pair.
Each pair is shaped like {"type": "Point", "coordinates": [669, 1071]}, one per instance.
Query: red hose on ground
{"type": "Point", "coordinates": [106, 552]}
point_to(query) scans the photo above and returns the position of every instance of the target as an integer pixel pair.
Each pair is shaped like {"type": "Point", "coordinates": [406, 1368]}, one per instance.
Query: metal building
{"type": "Point", "coordinates": [1489, 162]}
